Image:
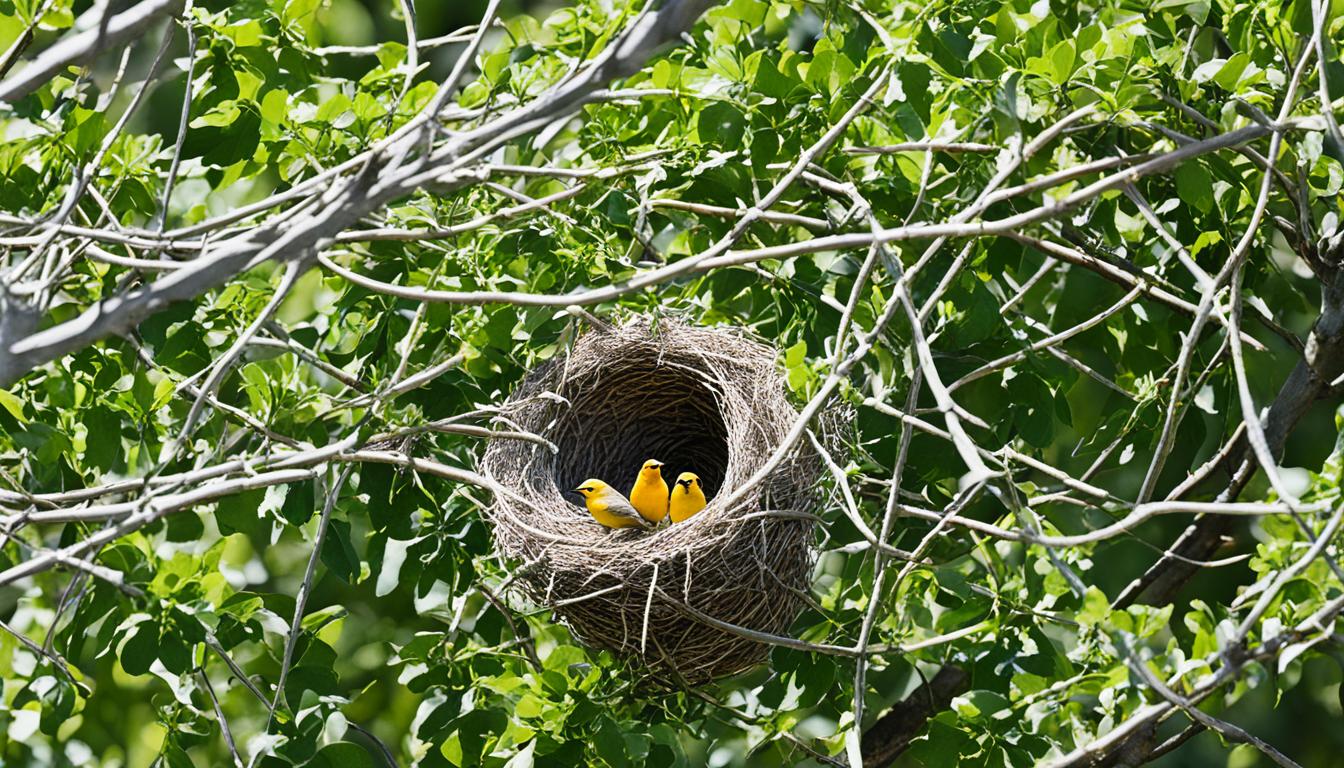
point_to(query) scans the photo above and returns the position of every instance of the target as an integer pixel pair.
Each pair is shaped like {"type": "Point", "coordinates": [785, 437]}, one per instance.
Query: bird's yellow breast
{"type": "Point", "coordinates": [649, 497]}
{"type": "Point", "coordinates": [686, 502]}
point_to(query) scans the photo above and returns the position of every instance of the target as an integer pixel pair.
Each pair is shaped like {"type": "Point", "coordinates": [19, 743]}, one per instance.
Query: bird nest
{"type": "Point", "coordinates": [686, 599]}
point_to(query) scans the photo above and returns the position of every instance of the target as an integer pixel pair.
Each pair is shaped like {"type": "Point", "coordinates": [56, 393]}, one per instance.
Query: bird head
{"type": "Point", "coordinates": [589, 487]}
{"type": "Point", "coordinates": [652, 467]}
{"type": "Point", "coordinates": [686, 480]}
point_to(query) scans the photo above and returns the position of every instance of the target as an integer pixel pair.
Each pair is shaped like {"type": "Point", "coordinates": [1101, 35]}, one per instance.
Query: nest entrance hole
{"type": "Point", "coordinates": [632, 413]}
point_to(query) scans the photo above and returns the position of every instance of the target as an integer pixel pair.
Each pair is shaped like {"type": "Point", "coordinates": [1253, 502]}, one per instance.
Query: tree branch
{"type": "Point", "coordinates": [380, 180]}
{"type": "Point", "coordinates": [891, 734]}
{"type": "Point", "coordinates": [84, 46]}
{"type": "Point", "coordinates": [1309, 380]}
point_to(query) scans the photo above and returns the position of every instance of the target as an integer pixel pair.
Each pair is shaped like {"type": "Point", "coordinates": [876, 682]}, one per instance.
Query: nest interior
{"type": "Point", "coordinates": [707, 400]}
{"type": "Point", "coordinates": [658, 412]}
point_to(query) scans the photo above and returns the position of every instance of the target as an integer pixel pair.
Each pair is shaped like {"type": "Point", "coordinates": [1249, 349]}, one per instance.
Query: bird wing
{"type": "Point", "coordinates": [620, 506]}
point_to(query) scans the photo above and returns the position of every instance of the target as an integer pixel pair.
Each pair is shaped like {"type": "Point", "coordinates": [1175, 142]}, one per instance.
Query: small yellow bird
{"type": "Point", "coordinates": [688, 497]}
{"type": "Point", "coordinates": [608, 506]}
{"type": "Point", "coordinates": [649, 494]}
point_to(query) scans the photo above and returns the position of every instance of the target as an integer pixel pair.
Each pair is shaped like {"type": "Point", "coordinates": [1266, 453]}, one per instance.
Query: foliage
{"type": "Point", "coordinates": [167, 630]}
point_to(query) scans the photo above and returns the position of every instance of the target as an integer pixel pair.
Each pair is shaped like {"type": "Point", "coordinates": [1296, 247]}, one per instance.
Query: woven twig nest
{"type": "Point", "coordinates": [708, 400]}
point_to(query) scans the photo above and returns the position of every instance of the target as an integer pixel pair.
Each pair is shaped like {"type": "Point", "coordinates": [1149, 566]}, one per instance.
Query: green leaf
{"type": "Point", "coordinates": [1033, 408]}
{"type": "Point", "coordinates": [1195, 186]}
{"type": "Point", "coordinates": [610, 746]}
{"type": "Point", "coordinates": [343, 754]}
{"type": "Point", "coordinates": [1096, 608]}
{"type": "Point", "coordinates": [475, 730]}
{"type": "Point", "coordinates": [247, 33]}
{"type": "Point", "coordinates": [221, 115]}
{"type": "Point", "coordinates": [1061, 59]}
{"type": "Point", "coordinates": [140, 650]}
{"type": "Point", "coordinates": [338, 552]}
{"type": "Point", "coordinates": [980, 704]}
{"type": "Point", "coordinates": [721, 125]}
{"type": "Point", "coordinates": [10, 402]}
{"type": "Point", "coordinates": [300, 503]}
{"type": "Point", "coordinates": [241, 513]}
{"type": "Point", "coordinates": [940, 747]}
{"type": "Point", "coordinates": [275, 106]}
{"type": "Point", "coordinates": [1205, 240]}
{"type": "Point", "coordinates": [331, 109]}
{"type": "Point", "coordinates": [102, 442]}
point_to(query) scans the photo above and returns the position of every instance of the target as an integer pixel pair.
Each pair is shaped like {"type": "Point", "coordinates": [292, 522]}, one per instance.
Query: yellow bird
{"type": "Point", "coordinates": [688, 497]}
{"type": "Point", "coordinates": [649, 494]}
{"type": "Point", "coordinates": [608, 506]}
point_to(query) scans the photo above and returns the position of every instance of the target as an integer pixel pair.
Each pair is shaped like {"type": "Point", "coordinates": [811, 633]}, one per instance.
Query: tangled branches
{"type": "Point", "coordinates": [1056, 281]}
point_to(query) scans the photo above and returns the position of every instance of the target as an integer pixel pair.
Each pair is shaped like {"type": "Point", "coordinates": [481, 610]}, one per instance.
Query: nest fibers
{"type": "Point", "coordinates": [707, 400]}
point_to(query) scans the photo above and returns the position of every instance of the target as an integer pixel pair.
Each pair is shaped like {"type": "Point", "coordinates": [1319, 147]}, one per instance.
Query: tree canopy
{"type": "Point", "coordinates": [268, 268]}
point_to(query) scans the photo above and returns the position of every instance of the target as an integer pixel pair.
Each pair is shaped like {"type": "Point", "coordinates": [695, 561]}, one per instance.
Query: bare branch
{"type": "Point", "coordinates": [84, 46]}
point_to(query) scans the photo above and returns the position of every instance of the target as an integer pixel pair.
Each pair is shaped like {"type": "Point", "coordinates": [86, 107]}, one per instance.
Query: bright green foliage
{"type": "Point", "coordinates": [404, 636]}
